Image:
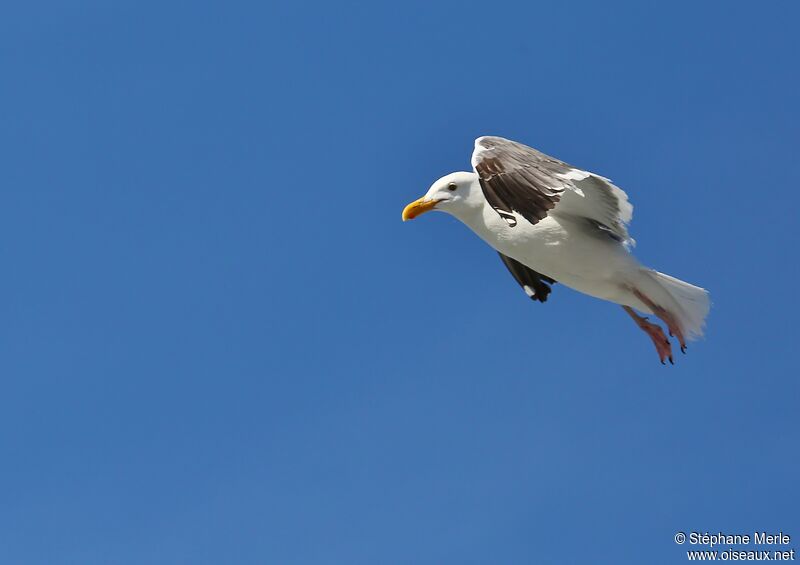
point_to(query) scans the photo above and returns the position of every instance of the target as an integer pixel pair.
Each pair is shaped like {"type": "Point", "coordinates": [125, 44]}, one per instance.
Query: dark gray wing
{"type": "Point", "coordinates": [535, 285]}
{"type": "Point", "coordinates": [517, 178]}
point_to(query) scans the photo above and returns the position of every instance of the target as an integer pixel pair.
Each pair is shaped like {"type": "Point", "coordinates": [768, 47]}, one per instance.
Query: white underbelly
{"type": "Point", "coordinates": [564, 251]}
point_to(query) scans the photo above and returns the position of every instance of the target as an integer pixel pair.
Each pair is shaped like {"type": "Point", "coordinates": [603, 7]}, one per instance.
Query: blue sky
{"type": "Point", "coordinates": [221, 345]}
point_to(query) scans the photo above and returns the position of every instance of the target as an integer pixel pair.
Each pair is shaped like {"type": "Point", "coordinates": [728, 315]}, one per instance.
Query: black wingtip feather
{"type": "Point", "coordinates": [527, 277]}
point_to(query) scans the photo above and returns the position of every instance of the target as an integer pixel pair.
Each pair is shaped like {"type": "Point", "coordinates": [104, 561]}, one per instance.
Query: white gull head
{"type": "Point", "coordinates": [458, 194]}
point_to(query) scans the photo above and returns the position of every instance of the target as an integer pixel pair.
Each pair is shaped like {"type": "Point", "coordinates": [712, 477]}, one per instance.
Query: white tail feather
{"type": "Point", "coordinates": [688, 303]}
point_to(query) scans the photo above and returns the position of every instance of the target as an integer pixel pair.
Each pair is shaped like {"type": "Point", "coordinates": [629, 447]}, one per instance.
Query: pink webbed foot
{"type": "Point", "coordinates": [666, 317]}
{"type": "Point", "coordinates": [663, 346]}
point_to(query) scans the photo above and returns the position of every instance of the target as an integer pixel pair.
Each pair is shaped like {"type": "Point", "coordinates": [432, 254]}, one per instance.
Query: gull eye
{"type": "Point", "coordinates": [452, 186]}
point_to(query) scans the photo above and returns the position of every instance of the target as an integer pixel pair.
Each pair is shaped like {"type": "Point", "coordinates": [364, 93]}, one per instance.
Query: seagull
{"type": "Point", "coordinates": [552, 222]}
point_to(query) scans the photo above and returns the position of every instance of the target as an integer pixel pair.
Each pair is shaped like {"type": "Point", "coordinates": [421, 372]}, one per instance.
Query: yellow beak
{"type": "Point", "coordinates": [418, 207]}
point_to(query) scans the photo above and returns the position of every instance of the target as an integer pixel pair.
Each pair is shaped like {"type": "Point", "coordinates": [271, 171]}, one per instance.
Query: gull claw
{"type": "Point", "coordinates": [656, 335]}
{"type": "Point", "coordinates": [673, 327]}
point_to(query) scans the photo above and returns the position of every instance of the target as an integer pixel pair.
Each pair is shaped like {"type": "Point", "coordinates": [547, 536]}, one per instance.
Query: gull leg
{"type": "Point", "coordinates": [663, 347]}
{"type": "Point", "coordinates": [666, 317]}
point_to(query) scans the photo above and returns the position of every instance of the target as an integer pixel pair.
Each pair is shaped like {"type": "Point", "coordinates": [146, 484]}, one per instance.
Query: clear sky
{"type": "Point", "coordinates": [219, 343]}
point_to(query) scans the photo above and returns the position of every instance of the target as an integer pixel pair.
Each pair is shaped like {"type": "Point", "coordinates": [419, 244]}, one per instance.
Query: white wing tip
{"type": "Point", "coordinates": [574, 174]}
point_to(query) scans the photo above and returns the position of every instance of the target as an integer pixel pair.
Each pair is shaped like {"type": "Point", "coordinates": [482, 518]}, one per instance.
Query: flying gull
{"type": "Point", "coordinates": [551, 222]}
